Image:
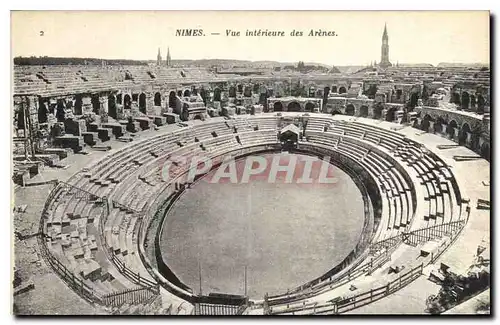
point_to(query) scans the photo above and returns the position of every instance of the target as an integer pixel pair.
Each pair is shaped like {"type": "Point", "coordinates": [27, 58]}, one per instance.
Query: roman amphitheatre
{"type": "Point", "coordinates": [98, 230]}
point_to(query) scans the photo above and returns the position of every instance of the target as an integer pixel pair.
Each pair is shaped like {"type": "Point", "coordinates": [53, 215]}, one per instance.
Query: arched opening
{"type": "Point", "coordinates": [326, 93]}
{"type": "Point", "coordinates": [485, 151]}
{"type": "Point", "coordinates": [438, 125]}
{"type": "Point", "coordinates": [256, 89]}
{"type": "Point", "coordinates": [42, 111]}
{"type": "Point", "coordinates": [278, 107]}
{"type": "Point", "coordinates": [342, 90]}
{"type": "Point", "coordinates": [472, 102]}
{"type": "Point", "coordinates": [20, 119]}
{"type": "Point", "coordinates": [377, 112]}
{"type": "Point", "coordinates": [465, 100]}
{"type": "Point", "coordinates": [135, 97]}
{"type": "Point", "coordinates": [157, 99]}
{"type": "Point", "coordinates": [172, 99]}
{"type": "Point", "coordinates": [216, 95]}
{"type": "Point", "coordinates": [232, 92]}
{"type": "Point", "coordinates": [197, 117]}
{"type": "Point", "coordinates": [142, 103]}
{"type": "Point", "coordinates": [450, 129]}
{"type": "Point", "coordinates": [96, 105]}
{"type": "Point", "coordinates": [179, 93]}
{"type": "Point", "coordinates": [480, 104]}
{"type": "Point", "coordinates": [78, 105]}
{"type": "Point", "coordinates": [127, 102]}
{"type": "Point", "coordinates": [309, 107]}
{"type": "Point", "coordinates": [336, 112]}
{"type": "Point", "coordinates": [426, 123]}
{"type": "Point", "coordinates": [60, 110]}
{"type": "Point", "coordinates": [391, 114]}
{"type": "Point", "coordinates": [363, 111]}
{"type": "Point", "coordinates": [294, 107]}
{"type": "Point", "coordinates": [240, 88]}
{"type": "Point", "coordinates": [119, 99]}
{"type": "Point", "coordinates": [247, 92]}
{"type": "Point", "coordinates": [334, 89]}
{"type": "Point", "coordinates": [462, 135]}
{"type": "Point", "coordinates": [350, 110]}
{"type": "Point", "coordinates": [187, 93]}
{"type": "Point", "coordinates": [371, 91]}
{"type": "Point", "coordinates": [399, 93]}
{"type": "Point", "coordinates": [112, 107]}
{"type": "Point", "coordinates": [455, 98]}
{"type": "Point", "coordinates": [194, 92]}
{"type": "Point", "coordinates": [413, 100]}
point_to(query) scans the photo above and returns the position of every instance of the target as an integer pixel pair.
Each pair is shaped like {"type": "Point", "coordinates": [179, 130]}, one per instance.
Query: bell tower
{"type": "Point", "coordinates": [384, 62]}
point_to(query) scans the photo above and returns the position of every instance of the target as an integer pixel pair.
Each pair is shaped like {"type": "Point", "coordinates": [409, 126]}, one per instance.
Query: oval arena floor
{"type": "Point", "coordinates": [286, 234]}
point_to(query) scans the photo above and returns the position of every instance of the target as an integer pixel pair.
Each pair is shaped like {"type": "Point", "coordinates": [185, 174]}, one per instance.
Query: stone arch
{"type": "Point", "coordinates": [399, 94]}
{"type": "Point", "coordinates": [217, 95]}
{"type": "Point", "coordinates": [247, 91]}
{"type": "Point", "coordinates": [142, 103]}
{"type": "Point", "coordinates": [232, 92]}
{"type": "Point", "coordinates": [455, 98]}
{"type": "Point", "coordinates": [309, 107]}
{"type": "Point", "coordinates": [326, 93]}
{"type": "Point", "coordinates": [42, 111]}
{"type": "Point", "coordinates": [465, 100]}
{"type": "Point", "coordinates": [462, 135]}
{"type": "Point", "coordinates": [172, 99]}
{"type": "Point", "coordinates": [96, 104]}
{"type": "Point", "coordinates": [119, 99]}
{"type": "Point", "coordinates": [438, 125]}
{"type": "Point", "coordinates": [480, 104]}
{"type": "Point", "coordinates": [157, 99]}
{"type": "Point", "coordinates": [472, 101]}
{"type": "Point", "coordinates": [363, 111]}
{"type": "Point", "coordinates": [377, 112]}
{"type": "Point", "coordinates": [187, 93]}
{"type": "Point", "coordinates": [336, 112]}
{"type": "Point", "coordinates": [78, 108]}
{"type": "Point", "coordinates": [485, 150]}
{"type": "Point", "coordinates": [135, 97]}
{"type": "Point", "coordinates": [240, 88]}
{"type": "Point", "coordinates": [350, 110]}
{"type": "Point", "coordinates": [127, 102]}
{"type": "Point", "coordinates": [450, 129]}
{"type": "Point", "coordinates": [426, 123]}
{"type": "Point", "coordinates": [390, 114]}
{"type": "Point", "coordinates": [342, 90]}
{"type": "Point", "coordinates": [278, 107]}
{"type": "Point", "coordinates": [112, 107]}
{"type": "Point", "coordinates": [334, 89]}
{"type": "Point", "coordinates": [413, 100]}
{"type": "Point", "coordinates": [294, 107]}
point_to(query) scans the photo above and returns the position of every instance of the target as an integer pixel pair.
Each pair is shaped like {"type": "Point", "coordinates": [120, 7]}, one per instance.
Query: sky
{"type": "Point", "coordinates": [414, 37]}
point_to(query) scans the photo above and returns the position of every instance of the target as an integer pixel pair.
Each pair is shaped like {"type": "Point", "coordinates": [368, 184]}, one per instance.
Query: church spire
{"type": "Point", "coordinates": [384, 62]}
{"type": "Point", "coordinates": [168, 57]}
{"type": "Point", "coordinates": [158, 58]}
